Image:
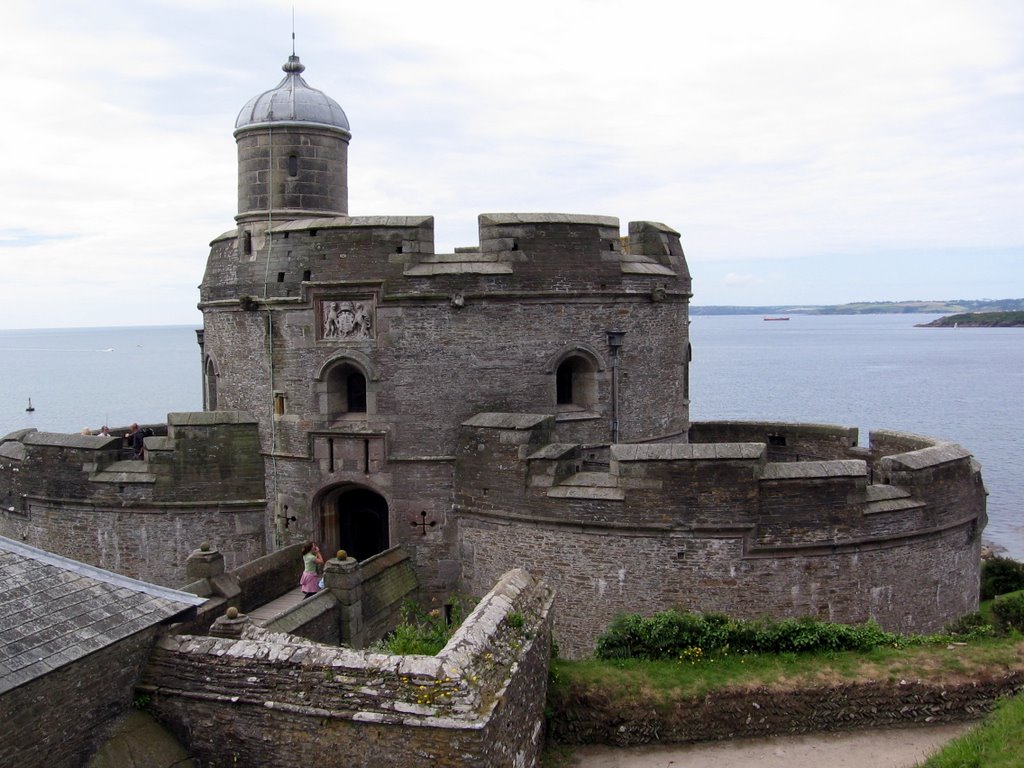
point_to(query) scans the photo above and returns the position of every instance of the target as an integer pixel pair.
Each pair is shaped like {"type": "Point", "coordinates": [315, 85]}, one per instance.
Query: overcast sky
{"type": "Point", "coordinates": [808, 152]}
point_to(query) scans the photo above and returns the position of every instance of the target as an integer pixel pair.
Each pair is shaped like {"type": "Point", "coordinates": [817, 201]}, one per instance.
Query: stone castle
{"type": "Point", "coordinates": [520, 403]}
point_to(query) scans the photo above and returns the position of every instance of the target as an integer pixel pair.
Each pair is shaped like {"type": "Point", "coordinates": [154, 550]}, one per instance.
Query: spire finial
{"type": "Point", "coordinates": [293, 65]}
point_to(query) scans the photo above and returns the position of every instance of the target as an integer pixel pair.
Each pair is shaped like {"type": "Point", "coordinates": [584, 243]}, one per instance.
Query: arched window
{"type": "Point", "coordinates": [210, 382]}
{"type": "Point", "coordinates": [346, 390]}
{"type": "Point", "coordinates": [575, 383]}
{"type": "Point", "coordinates": [686, 371]}
{"type": "Point", "coordinates": [293, 165]}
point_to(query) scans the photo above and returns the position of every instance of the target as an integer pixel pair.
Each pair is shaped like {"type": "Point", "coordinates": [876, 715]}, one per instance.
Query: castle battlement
{"type": "Point", "coordinates": [517, 252]}
{"type": "Point", "coordinates": [724, 519]}
{"type": "Point", "coordinates": [82, 496]}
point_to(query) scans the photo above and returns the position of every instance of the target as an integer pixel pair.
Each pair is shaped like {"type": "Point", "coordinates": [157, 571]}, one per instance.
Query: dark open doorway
{"type": "Point", "coordinates": [356, 520]}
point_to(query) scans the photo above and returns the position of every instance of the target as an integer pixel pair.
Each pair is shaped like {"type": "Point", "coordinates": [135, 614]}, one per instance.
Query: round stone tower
{"type": "Point", "coordinates": [292, 154]}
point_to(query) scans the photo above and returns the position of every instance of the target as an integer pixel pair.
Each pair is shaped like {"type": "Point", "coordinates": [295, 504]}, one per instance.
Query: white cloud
{"type": "Point", "coordinates": [745, 279]}
{"type": "Point", "coordinates": [760, 131]}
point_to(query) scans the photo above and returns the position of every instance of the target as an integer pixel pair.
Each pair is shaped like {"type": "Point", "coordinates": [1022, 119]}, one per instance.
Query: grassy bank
{"type": "Point", "coordinates": [659, 683]}
{"type": "Point", "coordinates": [627, 696]}
{"type": "Point", "coordinates": [997, 743]}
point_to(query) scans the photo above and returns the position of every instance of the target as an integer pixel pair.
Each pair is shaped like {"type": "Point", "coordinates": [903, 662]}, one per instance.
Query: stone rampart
{"type": "Point", "coordinates": [786, 441]}
{"type": "Point", "coordinates": [717, 526]}
{"type": "Point", "coordinates": [276, 700]}
{"type": "Point", "coordinates": [76, 496]}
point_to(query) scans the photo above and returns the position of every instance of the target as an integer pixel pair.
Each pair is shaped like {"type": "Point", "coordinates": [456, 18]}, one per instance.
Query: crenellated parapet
{"type": "Point", "coordinates": [83, 496]}
{"type": "Point", "coordinates": [744, 528]}
{"type": "Point", "coordinates": [537, 252]}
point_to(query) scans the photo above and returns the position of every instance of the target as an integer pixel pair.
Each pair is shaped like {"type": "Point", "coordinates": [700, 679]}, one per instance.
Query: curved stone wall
{"type": "Point", "coordinates": [75, 495]}
{"type": "Point", "coordinates": [719, 527]}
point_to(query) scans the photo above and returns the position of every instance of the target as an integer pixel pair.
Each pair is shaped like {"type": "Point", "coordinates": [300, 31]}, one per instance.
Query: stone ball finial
{"type": "Point", "coordinates": [342, 554]}
{"type": "Point", "coordinates": [294, 65]}
{"type": "Point", "coordinates": [204, 547]}
{"type": "Point", "coordinates": [232, 612]}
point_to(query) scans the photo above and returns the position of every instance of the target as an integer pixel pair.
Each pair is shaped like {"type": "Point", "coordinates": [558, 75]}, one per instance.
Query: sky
{"type": "Point", "coordinates": [807, 152]}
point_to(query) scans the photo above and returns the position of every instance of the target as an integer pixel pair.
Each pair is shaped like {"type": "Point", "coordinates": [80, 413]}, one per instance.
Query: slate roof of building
{"type": "Point", "coordinates": [54, 610]}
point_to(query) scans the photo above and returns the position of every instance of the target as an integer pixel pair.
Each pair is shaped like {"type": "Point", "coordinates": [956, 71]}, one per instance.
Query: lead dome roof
{"type": "Point", "coordinates": [292, 101]}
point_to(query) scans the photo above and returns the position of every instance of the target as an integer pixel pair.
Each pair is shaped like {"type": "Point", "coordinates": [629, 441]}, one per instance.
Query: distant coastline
{"type": "Point", "coordinates": [978, 320]}
{"type": "Point", "coordinates": [954, 306]}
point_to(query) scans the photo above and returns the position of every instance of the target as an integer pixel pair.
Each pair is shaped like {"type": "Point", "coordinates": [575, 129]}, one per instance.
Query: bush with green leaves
{"type": "Point", "coordinates": [969, 627]}
{"type": "Point", "coordinates": [1000, 576]}
{"type": "Point", "coordinates": [670, 634]}
{"type": "Point", "coordinates": [426, 631]}
{"type": "Point", "coordinates": [1008, 612]}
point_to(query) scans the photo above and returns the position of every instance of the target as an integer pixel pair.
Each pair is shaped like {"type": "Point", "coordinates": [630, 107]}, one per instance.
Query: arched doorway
{"type": "Point", "coordinates": [356, 520]}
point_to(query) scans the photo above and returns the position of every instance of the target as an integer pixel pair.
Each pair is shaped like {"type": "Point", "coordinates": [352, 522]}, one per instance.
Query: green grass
{"type": "Point", "coordinates": [629, 684]}
{"type": "Point", "coordinates": [985, 606]}
{"type": "Point", "coordinates": [997, 743]}
{"type": "Point", "coordinates": [628, 681]}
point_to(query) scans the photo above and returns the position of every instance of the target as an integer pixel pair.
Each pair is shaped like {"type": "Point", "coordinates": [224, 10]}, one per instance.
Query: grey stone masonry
{"type": "Point", "coordinates": [290, 702]}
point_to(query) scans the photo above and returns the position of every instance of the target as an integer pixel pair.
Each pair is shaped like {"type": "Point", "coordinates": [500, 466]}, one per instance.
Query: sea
{"type": "Point", "coordinates": [865, 371]}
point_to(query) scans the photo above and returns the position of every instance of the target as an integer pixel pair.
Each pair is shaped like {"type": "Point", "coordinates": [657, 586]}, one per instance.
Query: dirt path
{"type": "Point", "coordinates": [895, 748]}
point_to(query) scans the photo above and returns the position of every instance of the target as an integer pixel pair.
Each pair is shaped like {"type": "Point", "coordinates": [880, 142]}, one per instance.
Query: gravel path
{"type": "Point", "coordinates": [893, 748]}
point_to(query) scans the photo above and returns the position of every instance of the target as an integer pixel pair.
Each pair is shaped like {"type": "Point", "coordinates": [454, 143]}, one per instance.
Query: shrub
{"type": "Point", "coordinates": [671, 634]}
{"type": "Point", "coordinates": [969, 626]}
{"type": "Point", "coordinates": [999, 576]}
{"type": "Point", "coordinates": [1008, 612]}
{"type": "Point", "coordinates": [426, 632]}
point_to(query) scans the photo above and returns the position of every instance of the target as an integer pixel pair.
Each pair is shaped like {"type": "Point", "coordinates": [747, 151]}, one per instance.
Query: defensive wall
{"type": "Point", "coordinates": [276, 700]}
{"type": "Point", "coordinates": [78, 496]}
{"type": "Point", "coordinates": [855, 535]}
{"type": "Point", "coordinates": [787, 519]}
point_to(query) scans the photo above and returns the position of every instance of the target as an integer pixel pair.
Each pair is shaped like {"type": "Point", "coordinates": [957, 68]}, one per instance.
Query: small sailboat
{"type": "Point", "coordinates": [30, 407]}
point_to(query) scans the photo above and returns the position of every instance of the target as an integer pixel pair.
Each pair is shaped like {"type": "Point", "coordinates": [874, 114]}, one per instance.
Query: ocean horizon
{"type": "Point", "coordinates": [864, 371]}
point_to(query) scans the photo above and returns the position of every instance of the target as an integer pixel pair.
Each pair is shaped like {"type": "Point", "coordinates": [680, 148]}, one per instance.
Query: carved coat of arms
{"type": "Point", "coordinates": [346, 320]}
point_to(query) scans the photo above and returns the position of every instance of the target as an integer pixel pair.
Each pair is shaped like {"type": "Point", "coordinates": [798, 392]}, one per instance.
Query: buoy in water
{"type": "Point", "coordinates": [30, 408]}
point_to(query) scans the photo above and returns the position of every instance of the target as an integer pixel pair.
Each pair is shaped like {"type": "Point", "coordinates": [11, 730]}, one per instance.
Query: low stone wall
{"type": "Point", "coordinates": [592, 719]}
{"type": "Point", "coordinates": [786, 441]}
{"type": "Point", "coordinates": [388, 580]}
{"type": "Point", "coordinates": [250, 586]}
{"type": "Point", "coordinates": [276, 700]}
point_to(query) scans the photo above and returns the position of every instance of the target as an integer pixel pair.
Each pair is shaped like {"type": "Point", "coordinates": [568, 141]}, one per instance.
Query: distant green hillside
{"type": "Point", "coordinates": [978, 320]}
{"type": "Point", "coordinates": [869, 308]}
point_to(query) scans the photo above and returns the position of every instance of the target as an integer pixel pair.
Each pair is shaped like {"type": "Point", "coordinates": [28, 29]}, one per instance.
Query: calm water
{"type": "Point", "coordinates": [88, 377]}
{"type": "Point", "coordinates": [876, 372]}
{"type": "Point", "coordinates": [869, 371]}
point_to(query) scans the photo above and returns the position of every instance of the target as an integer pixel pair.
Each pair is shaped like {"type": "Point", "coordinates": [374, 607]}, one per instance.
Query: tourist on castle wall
{"type": "Point", "coordinates": [137, 438]}
{"type": "Point", "coordinates": [312, 560]}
